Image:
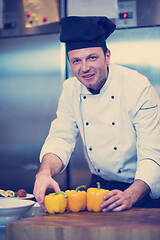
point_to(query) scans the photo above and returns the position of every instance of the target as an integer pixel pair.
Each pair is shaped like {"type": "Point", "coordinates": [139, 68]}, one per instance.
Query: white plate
{"type": "Point", "coordinates": [12, 209]}
{"type": "Point", "coordinates": [28, 196]}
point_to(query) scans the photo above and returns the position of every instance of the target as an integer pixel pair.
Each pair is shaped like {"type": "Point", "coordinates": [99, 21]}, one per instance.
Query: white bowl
{"type": "Point", "coordinates": [12, 209]}
{"type": "Point", "coordinates": [36, 210]}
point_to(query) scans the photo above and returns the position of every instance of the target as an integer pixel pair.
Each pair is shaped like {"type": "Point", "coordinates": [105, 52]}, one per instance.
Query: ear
{"type": "Point", "coordinates": [108, 56]}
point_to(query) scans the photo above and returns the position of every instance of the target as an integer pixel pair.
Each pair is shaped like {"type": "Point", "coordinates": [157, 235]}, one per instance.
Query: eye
{"type": "Point", "coordinates": [76, 61]}
{"type": "Point", "coordinates": [93, 58]}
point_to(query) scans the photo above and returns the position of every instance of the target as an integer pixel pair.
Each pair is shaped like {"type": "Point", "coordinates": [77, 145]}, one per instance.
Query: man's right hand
{"type": "Point", "coordinates": [43, 182]}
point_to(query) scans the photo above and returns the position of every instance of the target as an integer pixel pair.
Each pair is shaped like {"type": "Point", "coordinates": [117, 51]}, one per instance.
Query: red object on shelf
{"type": "Point", "coordinates": [45, 19]}
{"type": "Point", "coordinates": [28, 15]}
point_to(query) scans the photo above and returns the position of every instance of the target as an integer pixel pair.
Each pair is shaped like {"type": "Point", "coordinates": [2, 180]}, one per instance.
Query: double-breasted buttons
{"type": "Point", "coordinates": [113, 123]}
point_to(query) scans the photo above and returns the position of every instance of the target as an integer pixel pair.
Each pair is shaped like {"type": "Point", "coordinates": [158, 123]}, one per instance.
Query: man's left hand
{"type": "Point", "coordinates": [116, 200]}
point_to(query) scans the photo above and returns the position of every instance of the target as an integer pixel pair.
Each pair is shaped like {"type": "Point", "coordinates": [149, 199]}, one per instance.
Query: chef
{"type": "Point", "coordinates": [116, 112]}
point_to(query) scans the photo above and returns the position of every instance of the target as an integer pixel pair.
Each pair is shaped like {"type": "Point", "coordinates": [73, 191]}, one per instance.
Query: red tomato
{"type": "Point", "coordinates": [21, 193]}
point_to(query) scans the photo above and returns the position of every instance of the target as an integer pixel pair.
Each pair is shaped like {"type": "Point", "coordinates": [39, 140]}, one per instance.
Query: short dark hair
{"type": "Point", "coordinates": [105, 49]}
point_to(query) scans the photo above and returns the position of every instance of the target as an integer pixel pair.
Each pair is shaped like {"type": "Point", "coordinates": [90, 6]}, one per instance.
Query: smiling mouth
{"type": "Point", "coordinates": [88, 76]}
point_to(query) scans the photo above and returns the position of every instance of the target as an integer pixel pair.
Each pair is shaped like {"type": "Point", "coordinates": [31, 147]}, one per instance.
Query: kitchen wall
{"type": "Point", "coordinates": [147, 15]}
{"type": "Point", "coordinates": [147, 12]}
{"type": "Point", "coordinates": [31, 77]}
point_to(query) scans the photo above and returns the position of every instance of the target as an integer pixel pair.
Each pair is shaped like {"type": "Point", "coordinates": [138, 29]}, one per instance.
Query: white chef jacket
{"type": "Point", "coordinates": [120, 127]}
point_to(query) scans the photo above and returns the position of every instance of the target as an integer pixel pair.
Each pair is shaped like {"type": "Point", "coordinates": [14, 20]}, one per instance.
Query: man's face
{"type": "Point", "coordinates": [89, 65]}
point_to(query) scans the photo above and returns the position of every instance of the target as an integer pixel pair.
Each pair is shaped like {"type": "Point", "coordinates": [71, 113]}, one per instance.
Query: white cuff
{"type": "Point", "coordinates": [149, 172]}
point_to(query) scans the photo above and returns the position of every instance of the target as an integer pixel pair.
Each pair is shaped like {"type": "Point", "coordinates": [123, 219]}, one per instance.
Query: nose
{"type": "Point", "coordinates": [84, 67]}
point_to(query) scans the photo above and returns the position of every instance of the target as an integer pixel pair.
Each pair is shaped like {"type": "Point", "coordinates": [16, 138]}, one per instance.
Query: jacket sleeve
{"type": "Point", "coordinates": [146, 121]}
{"type": "Point", "coordinates": [63, 132]}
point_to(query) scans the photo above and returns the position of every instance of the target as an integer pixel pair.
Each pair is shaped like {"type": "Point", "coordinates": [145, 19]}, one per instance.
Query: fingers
{"type": "Point", "coordinates": [115, 200]}
{"type": "Point", "coordinates": [39, 193]}
{"type": "Point", "coordinates": [43, 207]}
{"type": "Point", "coordinates": [115, 207]}
{"type": "Point", "coordinates": [119, 208]}
{"type": "Point", "coordinates": [43, 183]}
{"type": "Point", "coordinates": [55, 186]}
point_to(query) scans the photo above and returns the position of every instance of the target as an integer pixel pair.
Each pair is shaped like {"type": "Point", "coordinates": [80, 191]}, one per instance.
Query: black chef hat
{"type": "Point", "coordinates": [83, 32]}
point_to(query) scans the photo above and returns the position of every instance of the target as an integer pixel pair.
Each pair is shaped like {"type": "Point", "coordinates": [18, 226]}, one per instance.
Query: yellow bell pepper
{"type": "Point", "coordinates": [95, 198]}
{"type": "Point", "coordinates": [77, 200]}
{"type": "Point", "coordinates": [56, 202]}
